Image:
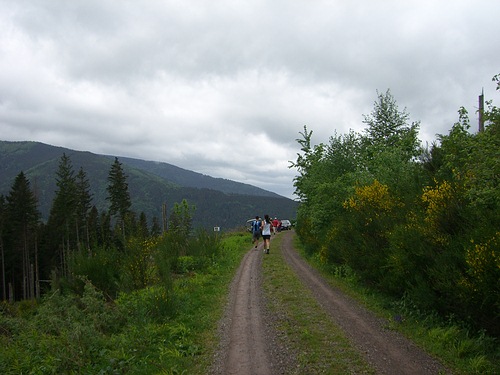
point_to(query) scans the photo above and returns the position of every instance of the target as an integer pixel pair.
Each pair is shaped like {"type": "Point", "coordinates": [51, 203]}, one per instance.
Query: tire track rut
{"type": "Point", "coordinates": [248, 341]}
{"type": "Point", "coordinates": [388, 351]}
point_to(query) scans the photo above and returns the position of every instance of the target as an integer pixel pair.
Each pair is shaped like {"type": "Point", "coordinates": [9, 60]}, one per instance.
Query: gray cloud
{"type": "Point", "coordinates": [214, 86]}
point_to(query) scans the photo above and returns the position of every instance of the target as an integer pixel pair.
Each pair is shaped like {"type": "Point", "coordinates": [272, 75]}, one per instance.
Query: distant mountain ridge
{"type": "Point", "coordinates": [187, 178]}
{"type": "Point", "coordinates": [218, 202]}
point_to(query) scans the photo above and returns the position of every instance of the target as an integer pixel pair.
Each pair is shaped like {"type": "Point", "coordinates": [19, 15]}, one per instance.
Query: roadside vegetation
{"type": "Point", "coordinates": [419, 226]}
{"type": "Point", "coordinates": [170, 295]}
{"type": "Point", "coordinates": [167, 323]}
{"type": "Point", "coordinates": [459, 347]}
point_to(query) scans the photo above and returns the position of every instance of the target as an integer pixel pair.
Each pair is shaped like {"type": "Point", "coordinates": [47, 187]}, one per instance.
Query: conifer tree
{"type": "Point", "coordinates": [118, 194]}
{"type": "Point", "coordinates": [83, 207]}
{"type": "Point", "coordinates": [63, 213]}
{"type": "Point", "coordinates": [21, 221]}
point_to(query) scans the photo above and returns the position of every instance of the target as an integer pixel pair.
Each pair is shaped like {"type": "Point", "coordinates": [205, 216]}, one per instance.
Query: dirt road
{"type": "Point", "coordinates": [247, 352]}
{"type": "Point", "coordinates": [249, 345]}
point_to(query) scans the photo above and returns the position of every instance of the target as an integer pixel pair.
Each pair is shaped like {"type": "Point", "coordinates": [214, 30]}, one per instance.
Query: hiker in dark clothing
{"type": "Point", "coordinates": [256, 232]}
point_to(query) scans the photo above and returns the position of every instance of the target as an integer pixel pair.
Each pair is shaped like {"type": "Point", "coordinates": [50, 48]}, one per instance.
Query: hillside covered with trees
{"type": "Point", "coordinates": [80, 282]}
{"type": "Point", "coordinates": [219, 202]}
{"type": "Point", "coordinates": [420, 225]}
{"type": "Point", "coordinates": [67, 211]}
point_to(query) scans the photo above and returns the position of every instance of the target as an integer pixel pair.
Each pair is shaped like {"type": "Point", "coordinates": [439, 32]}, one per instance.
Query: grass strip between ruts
{"type": "Point", "coordinates": [320, 345]}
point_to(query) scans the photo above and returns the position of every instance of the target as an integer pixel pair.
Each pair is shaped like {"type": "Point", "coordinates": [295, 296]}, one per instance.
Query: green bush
{"type": "Point", "coordinates": [65, 333]}
{"type": "Point", "coordinates": [151, 304]}
{"type": "Point", "coordinates": [101, 267]}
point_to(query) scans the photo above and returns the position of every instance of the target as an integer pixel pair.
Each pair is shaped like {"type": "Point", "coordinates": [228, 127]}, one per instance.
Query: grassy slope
{"type": "Point", "coordinates": [134, 335]}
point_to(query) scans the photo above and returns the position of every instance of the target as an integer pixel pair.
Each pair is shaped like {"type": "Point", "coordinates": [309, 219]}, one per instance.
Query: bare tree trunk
{"type": "Point", "coordinates": [4, 286]}
{"type": "Point", "coordinates": [11, 293]}
{"type": "Point", "coordinates": [31, 282]}
{"type": "Point", "coordinates": [77, 236]}
{"type": "Point", "coordinates": [63, 259]}
{"type": "Point", "coordinates": [37, 272]}
{"type": "Point", "coordinates": [25, 264]}
{"type": "Point", "coordinates": [87, 233]}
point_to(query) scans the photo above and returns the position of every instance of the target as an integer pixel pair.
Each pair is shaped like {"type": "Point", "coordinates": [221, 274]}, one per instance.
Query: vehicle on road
{"type": "Point", "coordinates": [286, 224]}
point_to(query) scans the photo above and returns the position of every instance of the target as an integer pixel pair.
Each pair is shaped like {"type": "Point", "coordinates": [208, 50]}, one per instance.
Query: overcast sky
{"type": "Point", "coordinates": [224, 87]}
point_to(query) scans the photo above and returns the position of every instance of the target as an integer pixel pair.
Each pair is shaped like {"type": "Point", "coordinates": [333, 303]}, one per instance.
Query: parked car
{"type": "Point", "coordinates": [286, 225]}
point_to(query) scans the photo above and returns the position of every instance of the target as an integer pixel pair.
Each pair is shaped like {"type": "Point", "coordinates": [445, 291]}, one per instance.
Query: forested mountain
{"type": "Point", "coordinates": [186, 178]}
{"type": "Point", "coordinates": [217, 201]}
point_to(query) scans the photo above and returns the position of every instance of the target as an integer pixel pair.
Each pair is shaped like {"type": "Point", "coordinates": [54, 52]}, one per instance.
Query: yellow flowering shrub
{"type": "Point", "coordinates": [483, 260]}
{"type": "Point", "coordinates": [436, 199]}
{"type": "Point", "coordinates": [323, 254]}
{"type": "Point", "coordinates": [374, 197]}
{"type": "Point", "coordinates": [140, 264]}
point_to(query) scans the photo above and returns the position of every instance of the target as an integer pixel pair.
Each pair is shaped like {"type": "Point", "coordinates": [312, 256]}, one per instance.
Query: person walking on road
{"type": "Point", "coordinates": [256, 231]}
{"type": "Point", "coordinates": [276, 225]}
{"type": "Point", "coordinates": [267, 228]}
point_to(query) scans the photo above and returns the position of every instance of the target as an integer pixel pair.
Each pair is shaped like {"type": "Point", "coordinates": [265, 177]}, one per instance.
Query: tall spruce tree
{"type": "Point", "coordinates": [83, 207]}
{"type": "Point", "coordinates": [118, 194]}
{"type": "Point", "coordinates": [21, 224]}
{"type": "Point", "coordinates": [63, 213]}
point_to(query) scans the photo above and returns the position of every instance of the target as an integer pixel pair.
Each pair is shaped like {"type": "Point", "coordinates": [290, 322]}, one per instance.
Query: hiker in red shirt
{"type": "Point", "coordinates": [276, 224]}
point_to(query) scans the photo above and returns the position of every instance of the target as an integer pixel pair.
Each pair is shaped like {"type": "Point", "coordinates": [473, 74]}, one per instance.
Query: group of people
{"type": "Point", "coordinates": [263, 228]}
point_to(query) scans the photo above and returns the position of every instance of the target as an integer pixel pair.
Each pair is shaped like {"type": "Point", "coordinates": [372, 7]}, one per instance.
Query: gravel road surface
{"type": "Point", "coordinates": [250, 345]}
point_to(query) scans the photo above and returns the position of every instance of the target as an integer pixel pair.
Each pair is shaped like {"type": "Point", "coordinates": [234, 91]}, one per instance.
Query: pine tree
{"type": "Point", "coordinates": [83, 207]}
{"type": "Point", "coordinates": [21, 221]}
{"type": "Point", "coordinates": [118, 194]}
{"type": "Point", "coordinates": [63, 213]}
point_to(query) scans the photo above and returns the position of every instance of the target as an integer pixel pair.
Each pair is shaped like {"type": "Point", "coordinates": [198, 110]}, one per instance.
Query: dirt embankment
{"type": "Point", "coordinates": [250, 345]}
